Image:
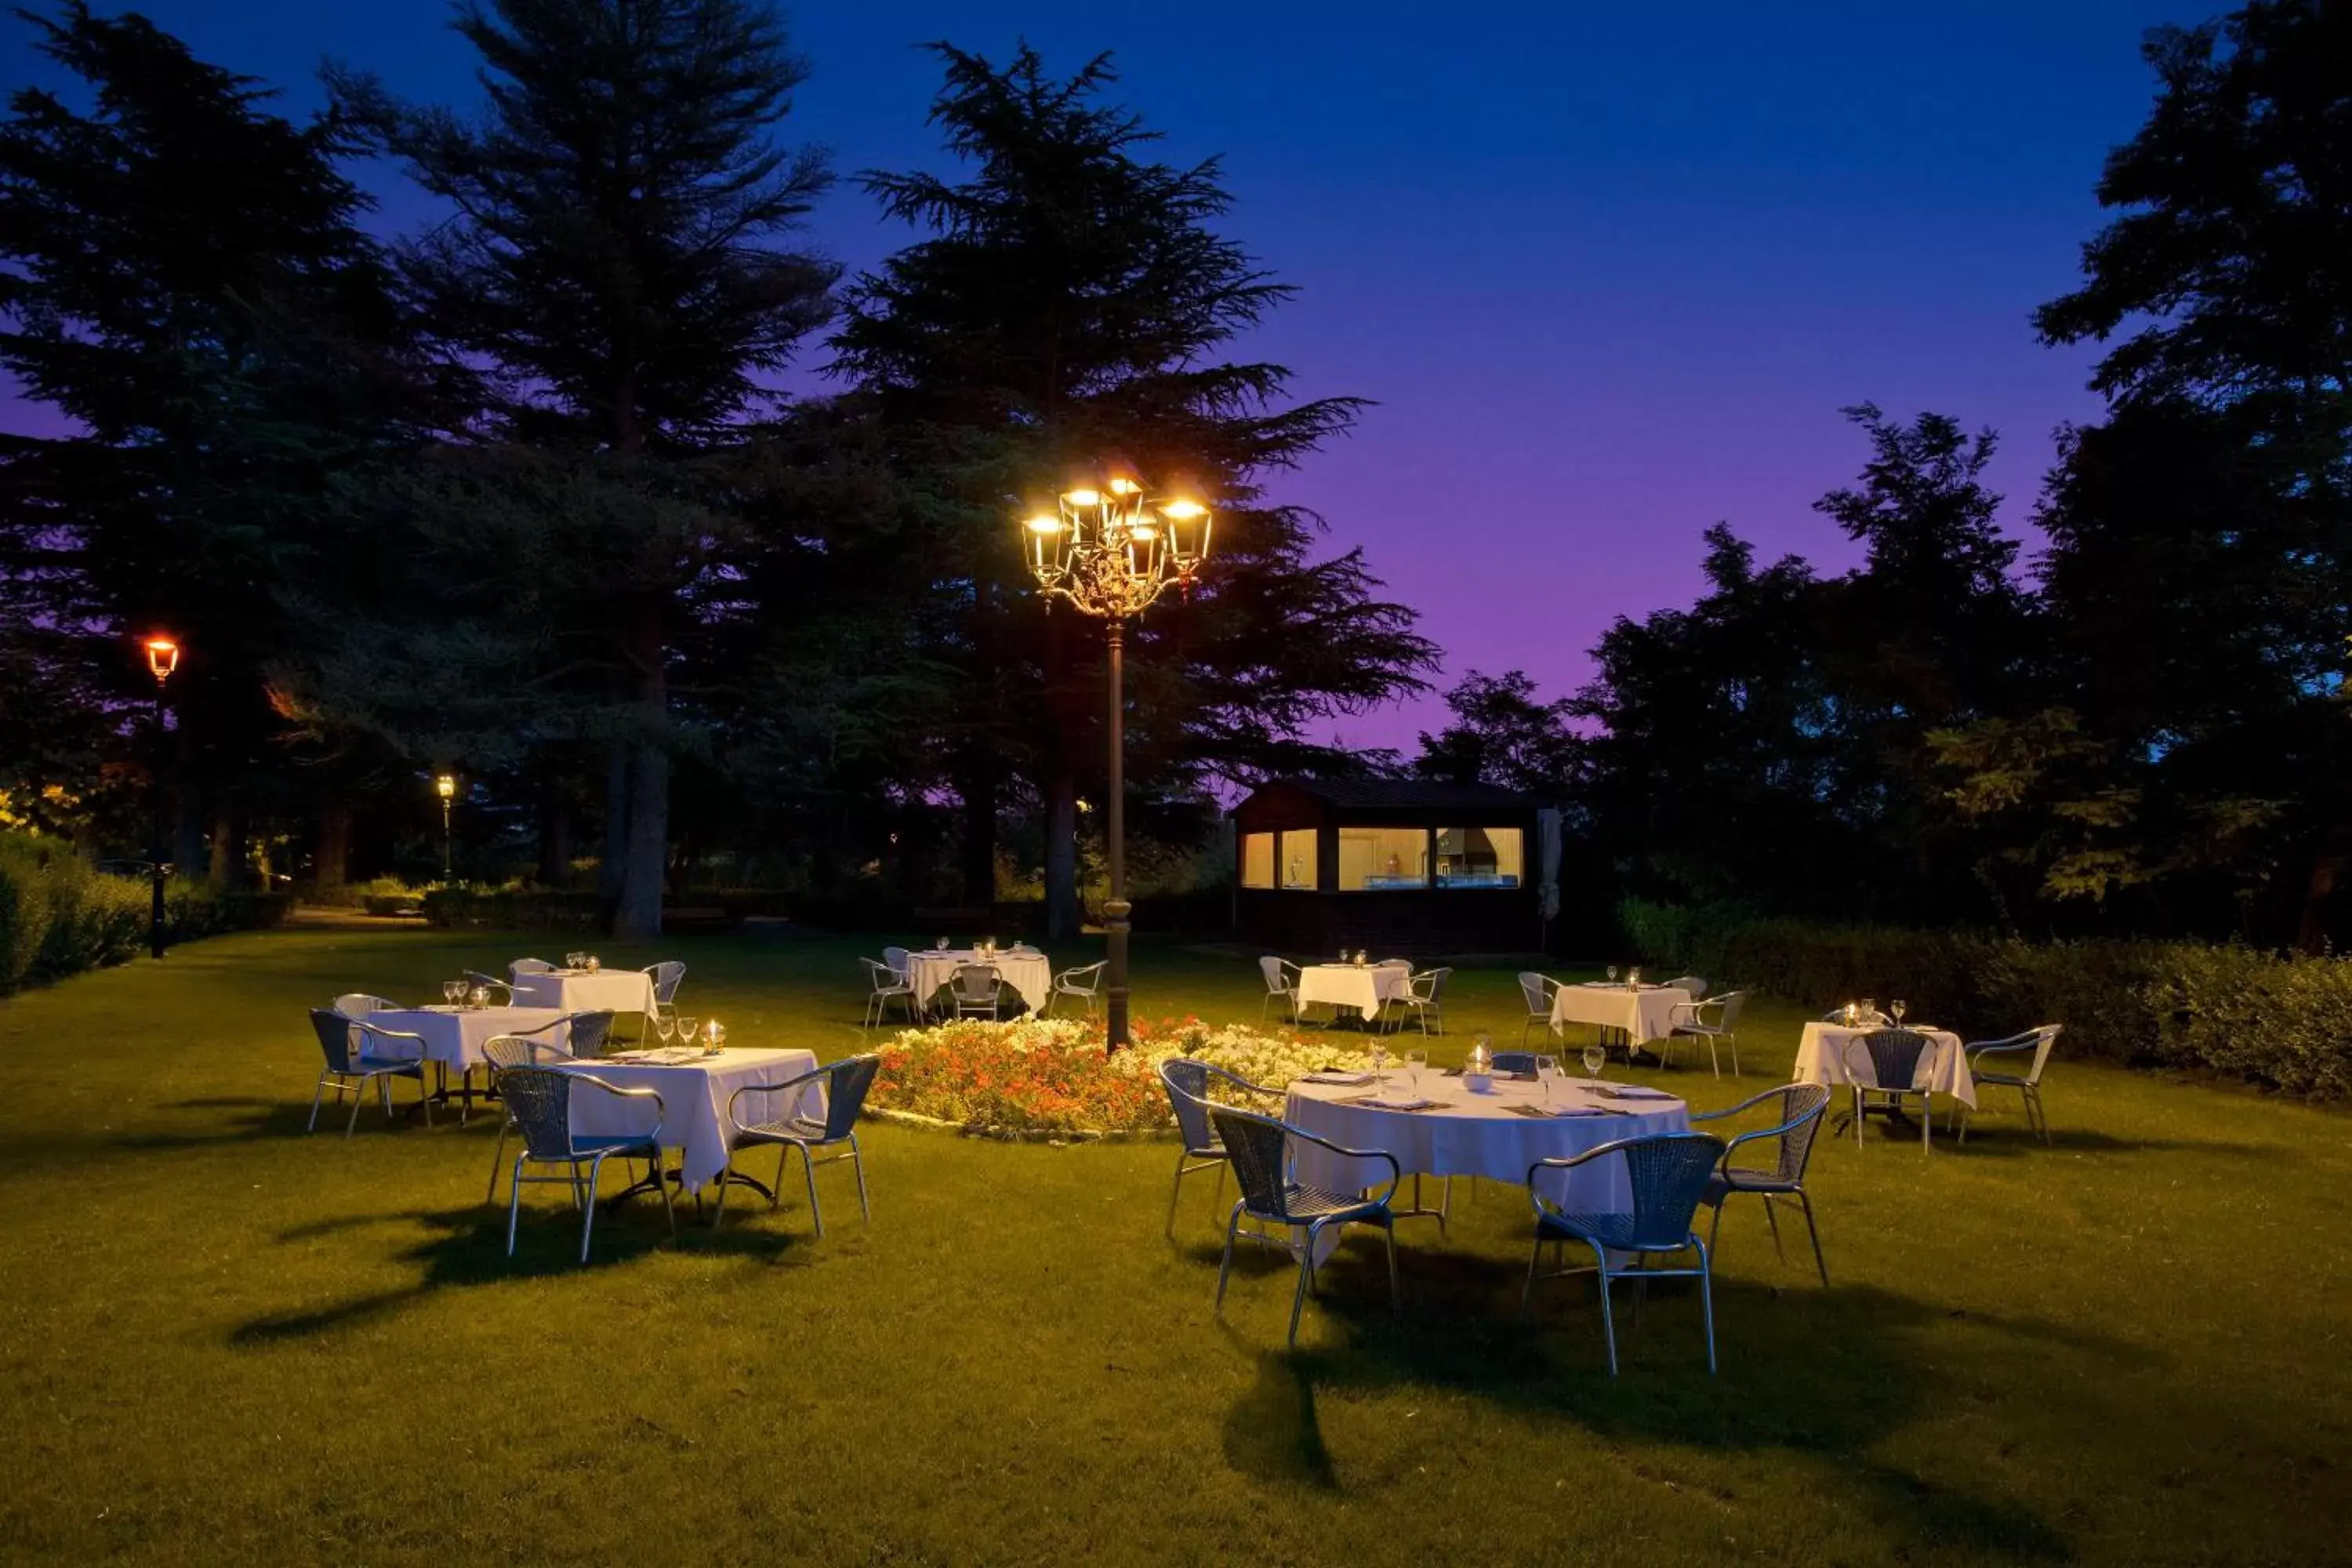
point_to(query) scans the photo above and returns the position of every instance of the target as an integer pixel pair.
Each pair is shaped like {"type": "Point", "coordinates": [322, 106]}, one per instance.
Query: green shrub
{"type": "Point", "coordinates": [59, 917]}
{"type": "Point", "coordinates": [2281, 1020]}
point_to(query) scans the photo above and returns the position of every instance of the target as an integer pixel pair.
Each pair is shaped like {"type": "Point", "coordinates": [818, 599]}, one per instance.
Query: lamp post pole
{"type": "Point", "coordinates": [162, 659]}
{"type": "Point", "coordinates": [446, 786]}
{"type": "Point", "coordinates": [1115, 908]}
{"type": "Point", "coordinates": [1111, 551]}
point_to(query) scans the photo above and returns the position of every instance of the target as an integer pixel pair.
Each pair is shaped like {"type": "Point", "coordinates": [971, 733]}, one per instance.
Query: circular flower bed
{"type": "Point", "coordinates": [1052, 1078]}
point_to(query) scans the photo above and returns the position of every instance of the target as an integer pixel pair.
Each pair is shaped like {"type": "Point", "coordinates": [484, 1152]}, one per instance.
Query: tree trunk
{"type": "Point", "coordinates": [555, 829]}
{"type": "Point", "coordinates": [1062, 911]}
{"type": "Point", "coordinates": [647, 859]}
{"type": "Point", "coordinates": [331, 858]}
{"type": "Point", "coordinates": [2319, 893]}
{"type": "Point", "coordinates": [976, 781]}
{"type": "Point", "coordinates": [614, 858]}
{"type": "Point", "coordinates": [227, 865]}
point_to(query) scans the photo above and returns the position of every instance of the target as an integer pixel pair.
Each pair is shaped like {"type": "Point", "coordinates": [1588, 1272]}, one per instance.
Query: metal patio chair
{"type": "Point", "coordinates": [885, 986]}
{"type": "Point", "coordinates": [1085, 983]}
{"type": "Point", "coordinates": [2038, 1041]}
{"type": "Point", "coordinates": [358, 1005]}
{"type": "Point", "coordinates": [845, 1083]}
{"type": "Point", "coordinates": [1281, 983]}
{"type": "Point", "coordinates": [504, 1053]}
{"type": "Point", "coordinates": [665, 977]}
{"type": "Point", "coordinates": [540, 1101]}
{"type": "Point", "coordinates": [1537, 990]}
{"type": "Point", "coordinates": [1257, 1148]}
{"type": "Point", "coordinates": [1424, 1000]}
{"type": "Point", "coordinates": [1187, 1083]}
{"type": "Point", "coordinates": [1894, 1056]}
{"type": "Point", "coordinates": [978, 991]}
{"type": "Point", "coordinates": [357, 1057]}
{"type": "Point", "coordinates": [1799, 1109]}
{"type": "Point", "coordinates": [1690, 1024]}
{"type": "Point", "coordinates": [1690, 985]}
{"type": "Point", "coordinates": [523, 966]}
{"type": "Point", "coordinates": [491, 982]}
{"type": "Point", "coordinates": [1668, 1174]}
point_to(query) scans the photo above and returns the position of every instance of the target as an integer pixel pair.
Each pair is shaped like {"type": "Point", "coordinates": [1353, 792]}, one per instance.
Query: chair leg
{"type": "Point", "coordinates": [808, 1169]}
{"type": "Point", "coordinates": [858, 1163]}
{"type": "Point", "coordinates": [1608, 1318]}
{"type": "Point", "coordinates": [1814, 1231]}
{"type": "Point", "coordinates": [425, 1100]}
{"type": "Point", "coordinates": [359, 1098]}
{"type": "Point", "coordinates": [1857, 1116]}
{"type": "Point", "coordinates": [1306, 1280]}
{"type": "Point", "coordinates": [318, 1093]}
{"type": "Point", "coordinates": [1926, 1121]}
{"type": "Point", "coordinates": [1396, 1293]}
{"type": "Point", "coordinates": [1735, 1054]}
{"type": "Point", "coordinates": [2040, 1115]}
{"type": "Point", "coordinates": [1772, 1218]}
{"type": "Point", "coordinates": [1715, 1224]}
{"type": "Point", "coordinates": [514, 1202]}
{"type": "Point", "coordinates": [719, 1214]}
{"type": "Point", "coordinates": [1528, 1290]}
{"type": "Point", "coordinates": [661, 1185]}
{"type": "Point", "coordinates": [497, 1157]}
{"type": "Point", "coordinates": [1175, 1191]}
{"type": "Point", "coordinates": [588, 1209]}
{"type": "Point", "coordinates": [1706, 1300]}
{"type": "Point", "coordinates": [1226, 1266]}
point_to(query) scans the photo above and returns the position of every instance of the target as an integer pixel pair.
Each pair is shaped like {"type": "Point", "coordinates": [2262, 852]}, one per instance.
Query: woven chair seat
{"type": "Point", "coordinates": [389, 1064]}
{"type": "Point", "coordinates": [588, 1145]}
{"type": "Point", "coordinates": [1740, 1179]}
{"type": "Point", "coordinates": [1611, 1230]}
{"type": "Point", "coordinates": [1304, 1203]}
{"type": "Point", "coordinates": [793, 1129]}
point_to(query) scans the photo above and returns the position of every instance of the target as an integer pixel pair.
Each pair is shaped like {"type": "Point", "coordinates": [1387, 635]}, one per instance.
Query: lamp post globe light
{"type": "Point", "coordinates": [446, 786]}
{"type": "Point", "coordinates": [1110, 549]}
{"type": "Point", "coordinates": [162, 657]}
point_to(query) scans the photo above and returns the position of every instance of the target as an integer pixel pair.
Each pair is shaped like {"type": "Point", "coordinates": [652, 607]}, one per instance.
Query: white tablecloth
{"type": "Point", "coordinates": [1645, 1014]}
{"type": "Point", "coordinates": [1345, 985]}
{"type": "Point", "coordinates": [606, 991]}
{"type": "Point", "coordinates": [1029, 975]}
{"type": "Point", "coordinates": [1477, 1136]}
{"type": "Point", "coordinates": [455, 1036]}
{"type": "Point", "coordinates": [1825, 1054]}
{"type": "Point", "coordinates": [694, 1101]}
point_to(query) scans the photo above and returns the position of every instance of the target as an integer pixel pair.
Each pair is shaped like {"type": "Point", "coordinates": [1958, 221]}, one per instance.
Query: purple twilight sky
{"type": "Point", "coordinates": [1609, 272]}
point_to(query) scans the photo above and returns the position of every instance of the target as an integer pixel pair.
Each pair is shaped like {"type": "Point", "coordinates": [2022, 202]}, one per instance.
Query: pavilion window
{"type": "Point", "coordinates": [1379, 860]}
{"type": "Point", "coordinates": [1300, 863]}
{"type": "Point", "coordinates": [1480, 856]}
{"type": "Point", "coordinates": [1257, 859]}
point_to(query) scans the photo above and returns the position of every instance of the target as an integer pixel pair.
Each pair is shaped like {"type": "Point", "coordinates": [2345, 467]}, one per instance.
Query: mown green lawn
{"type": "Point", "coordinates": [223, 1339]}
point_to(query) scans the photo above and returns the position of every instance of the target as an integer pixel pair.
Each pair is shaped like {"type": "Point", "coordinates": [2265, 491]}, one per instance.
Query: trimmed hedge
{"type": "Point", "coordinates": [59, 917]}
{"type": "Point", "coordinates": [2281, 1020]}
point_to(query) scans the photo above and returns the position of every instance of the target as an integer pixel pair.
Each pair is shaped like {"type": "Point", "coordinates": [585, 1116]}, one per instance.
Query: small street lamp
{"type": "Point", "coordinates": [1111, 550]}
{"type": "Point", "coordinates": [446, 786]}
{"type": "Point", "coordinates": [162, 659]}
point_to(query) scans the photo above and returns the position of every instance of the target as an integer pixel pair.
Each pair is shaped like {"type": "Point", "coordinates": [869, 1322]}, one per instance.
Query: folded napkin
{"type": "Point", "coordinates": [1558, 1110]}
{"type": "Point", "coordinates": [1639, 1091]}
{"type": "Point", "coordinates": [1394, 1102]}
{"type": "Point", "coordinates": [1331, 1075]}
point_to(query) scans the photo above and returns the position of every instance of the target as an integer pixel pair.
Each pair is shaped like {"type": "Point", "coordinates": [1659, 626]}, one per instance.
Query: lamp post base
{"type": "Point", "coordinates": [1115, 988]}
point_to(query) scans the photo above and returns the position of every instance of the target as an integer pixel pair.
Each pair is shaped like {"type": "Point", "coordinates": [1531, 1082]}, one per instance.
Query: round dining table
{"type": "Point", "coordinates": [1499, 1134]}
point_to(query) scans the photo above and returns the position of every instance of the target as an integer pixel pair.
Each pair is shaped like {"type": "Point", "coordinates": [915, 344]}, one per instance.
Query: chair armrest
{"type": "Point", "coordinates": [1978, 1053]}
{"type": "Point", "coordinates": [660, 1110]}
{"type": "Point", "coordinates": [1752, 1101]}
{"type": "Point", "coordinates": [376, 1032]}
{"type": "Point", "coordinates": [795, 1082]}
{"type": "Point", "coordinates": [1396, 1172]}
{"type": "Point", "coordinates": [1781, 1132]}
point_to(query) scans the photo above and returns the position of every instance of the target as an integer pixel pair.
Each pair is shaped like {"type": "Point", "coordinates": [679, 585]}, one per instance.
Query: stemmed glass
{"type": "Point", "coordinates": [453, 992]}
{"type": "Point", "coordinates": [1596, 1057]}
{"type": "Point", "coordinates": [1869, 1010]}
{"type": "Point", "coordinates": [1898, 1007]}
{"type": "Point", "coordinates": [686, 1029]}
{"type": "Point", "coordinates": [1413, 1062]}
{"type": "Point", "coordinates": [1547, 1074]}
{"type": "Point", "coordinates": [573, 960]}
{"type": "Point", "coordinates": [665, 1026]}
{"type": "Point", "coordinates": [1380, 1064]}
{"type": "Point", "coordinates": [1613, 975]}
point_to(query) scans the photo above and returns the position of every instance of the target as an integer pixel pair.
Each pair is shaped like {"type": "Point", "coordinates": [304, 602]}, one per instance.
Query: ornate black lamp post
{"type": "Point", "coordinates": [162, 659]}
{"type": "Point", "coordinates": [446, 786]}
{"type": "Point", "coordinates": [1111, 550]}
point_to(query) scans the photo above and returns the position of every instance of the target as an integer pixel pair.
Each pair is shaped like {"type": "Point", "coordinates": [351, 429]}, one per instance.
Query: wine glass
{"type": "Point", "coordinates": [1869, 1010]}
{"type": "Point", "coordinates": [1596, 1057]}
{"type": "Point", "coordinates": [1898, 1007]}
{"type": "Point", "coordinates": [1547, 1074]}
{"type": "Point", "coordinates": [1613, 975]}
{"type": "Point", "coordinates": [685, 1027]}
{"type": "Point", "coordinates": [451, 990]}
{"type": "Point", "coordinates": [665, 1026]}
{"type": "Point", "coordinates": [1380, 1064]}
{"type": "Point", "coordinates": [1414, 1061]}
